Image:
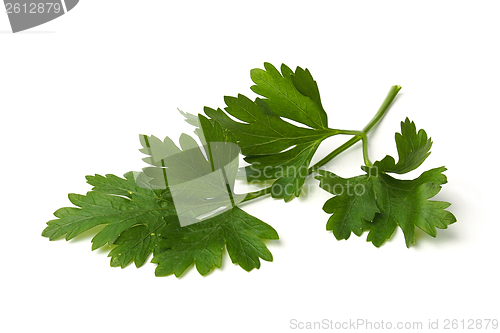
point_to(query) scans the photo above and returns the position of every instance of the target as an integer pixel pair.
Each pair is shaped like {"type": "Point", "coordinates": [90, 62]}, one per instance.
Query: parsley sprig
{"type": "Point", "coordinates": [183, 210]}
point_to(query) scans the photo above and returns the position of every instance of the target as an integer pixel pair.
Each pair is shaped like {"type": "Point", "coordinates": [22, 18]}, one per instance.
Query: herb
{"type": "Point", "coordinates": [141, 220]}
{"type": "Point", "coordinates": [379, 203]}
{"type": "Point", "coordinates": [182, 208]}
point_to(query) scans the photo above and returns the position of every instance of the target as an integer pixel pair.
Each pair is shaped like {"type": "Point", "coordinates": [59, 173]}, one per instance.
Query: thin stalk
{"type": "Point", "coordinates": [228, 188]}
{"type": "Point", "coordinates": [383, 108]}
{"type": "Point", "coordinates": [349, 132]}
{"type": "Point", "coordinates": [150, 153]}
{"type": "Point", "coordinates": [366, 159]}
{"type": "Point", "coordinates": [335, 153]}
{"type": "Point", "coordinates": [376, 118]}
{"type": "Point", "coordinates": [256, 194]}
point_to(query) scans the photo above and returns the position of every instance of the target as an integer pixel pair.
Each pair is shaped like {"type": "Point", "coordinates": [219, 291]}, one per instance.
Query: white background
{"type": "Point", "coordinates": [76, 92]}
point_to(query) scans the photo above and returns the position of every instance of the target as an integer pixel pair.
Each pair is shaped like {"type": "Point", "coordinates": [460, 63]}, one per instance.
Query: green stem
{"type": "Point", "coordinates": [348, 132]}
{"type": "Point", "coordinates": [256, 194]}
{"type": "Point", "coordinates": [383, 108]}
{"type": "Point", "coordinates": [334, 154]}
{"type": "Point", "coordinates": [367, 161]}
{"type": "Point", "coordinates": [358, 136]}
{"type": "Point", "coordinates": [150, 153]}
{"type": "Point", "coordinates": [378, 116]}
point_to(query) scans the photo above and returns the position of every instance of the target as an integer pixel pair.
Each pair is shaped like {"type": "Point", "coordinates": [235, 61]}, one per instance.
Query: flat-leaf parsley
{"type": "Point", "coordinates": [183, 209]}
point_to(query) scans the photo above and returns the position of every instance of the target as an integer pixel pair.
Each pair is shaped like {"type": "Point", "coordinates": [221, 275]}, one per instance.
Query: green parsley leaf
{"type": "Point", "coordinates": [380, 203]}
{"type": "Point", "coordinates": [290, 95]}
{"type": "Point", "coordinates": [203, 243]}
{"type": "Point", "coordinates": [276, 148]}
{"type": "Point", "coordinates": [413, 149]}
{"type": "Point", "coordinates": [119, 204]}
{"type": "Point", "coordinates": [352, 206]}
{"type": "Point", "coordinates": [405, 203]}
{"type": "Point", "coordinates": [141, 212]}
